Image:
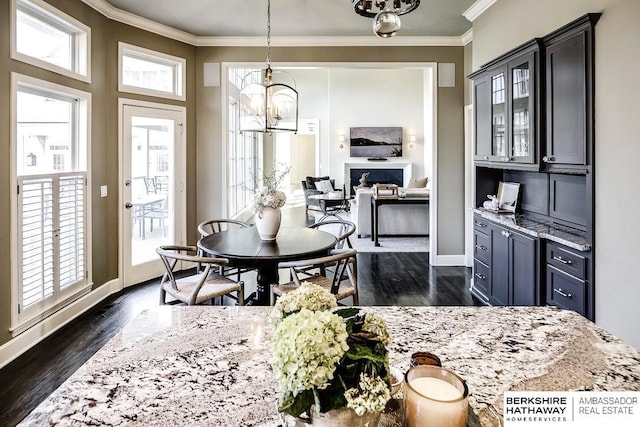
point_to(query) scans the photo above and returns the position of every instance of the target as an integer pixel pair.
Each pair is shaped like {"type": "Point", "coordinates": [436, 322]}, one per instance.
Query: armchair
{"type": "Point", "coordinates": [309, 189]}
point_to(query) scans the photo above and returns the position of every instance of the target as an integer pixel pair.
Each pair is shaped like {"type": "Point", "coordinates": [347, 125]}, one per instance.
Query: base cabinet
{"type": "Point", "coordinates": [506, 266]}
{"type": "Point", "coordinates": [568, 279]}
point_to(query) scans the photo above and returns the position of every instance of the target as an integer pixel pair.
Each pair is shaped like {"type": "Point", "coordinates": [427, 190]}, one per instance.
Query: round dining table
{"type": "Point", "coordinates": [244, 249]}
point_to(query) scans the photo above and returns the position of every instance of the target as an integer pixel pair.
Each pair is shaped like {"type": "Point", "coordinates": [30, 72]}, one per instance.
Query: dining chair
{"type": "Point", "coordinates": [199, 287]}
{"type": "Point", "coordinates": [342, 282]}
{"type": "Point", "coordinates": [214, 226]}
{"type": "Point", "coordinates": [341, 228]}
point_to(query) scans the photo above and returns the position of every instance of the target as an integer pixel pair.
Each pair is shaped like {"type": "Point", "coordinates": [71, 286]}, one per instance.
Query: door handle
{"type": "Point", "coordinates": [128, 205]}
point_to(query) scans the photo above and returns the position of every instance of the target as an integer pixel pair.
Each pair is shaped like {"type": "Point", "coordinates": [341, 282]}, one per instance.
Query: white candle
{"type": "Point", "coordinates": [435, 388]}
{"type": "Point", "coordinates": [432, 402]}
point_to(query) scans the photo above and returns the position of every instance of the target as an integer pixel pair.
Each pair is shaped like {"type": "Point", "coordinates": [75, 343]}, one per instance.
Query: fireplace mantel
{"type": "Point", "coordinates": [405, 166]}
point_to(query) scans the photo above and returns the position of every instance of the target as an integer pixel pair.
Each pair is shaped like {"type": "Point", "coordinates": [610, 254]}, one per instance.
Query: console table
{"type": "Point", "coordinates": [376, 202]}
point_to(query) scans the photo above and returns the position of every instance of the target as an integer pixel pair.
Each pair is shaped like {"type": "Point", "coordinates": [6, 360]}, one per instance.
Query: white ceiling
{"type": "Point", "coordinates": [292, 18]}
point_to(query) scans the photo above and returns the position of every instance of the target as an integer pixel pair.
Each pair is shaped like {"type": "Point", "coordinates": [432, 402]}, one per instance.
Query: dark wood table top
{"type": "Point", "coordinates": [292, 243]}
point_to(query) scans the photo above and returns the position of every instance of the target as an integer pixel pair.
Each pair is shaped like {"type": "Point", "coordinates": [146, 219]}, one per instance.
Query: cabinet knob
{"type": "Point", "coordinates": [559, 291]}
{"type": "Point", "coordinates": [547, 159]}
{"type": "Point", "coordinates": [480, 276]}
{"type": "Point", "coordinates": [486, 157]}
{"type": "Point", "coordinates": [505, 233]}
{"type": "Point", "coordinates": [481, 247]}
{"type": "Point", "coordinates": [480, 224]}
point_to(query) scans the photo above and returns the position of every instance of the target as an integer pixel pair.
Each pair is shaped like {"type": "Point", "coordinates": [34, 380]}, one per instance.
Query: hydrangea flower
{"type": "Point", "coordinates": [306, 348]}
{"type": "Point", "coordinates": [376, 324]}
{"type": "Point", "coordinates": [309, 296]}
{"type": "Point", "coordinates": [371, 395]}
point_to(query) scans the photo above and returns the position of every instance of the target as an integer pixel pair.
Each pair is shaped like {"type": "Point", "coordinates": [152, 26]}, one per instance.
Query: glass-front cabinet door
{"type": "Point", "coordinates": [521, 98]}
{"type": "Point", "coordinates": [498, 116]}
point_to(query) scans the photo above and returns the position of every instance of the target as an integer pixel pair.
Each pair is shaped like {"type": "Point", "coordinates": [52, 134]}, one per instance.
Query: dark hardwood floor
{"type": "Point", "coordinates": [383, 279]}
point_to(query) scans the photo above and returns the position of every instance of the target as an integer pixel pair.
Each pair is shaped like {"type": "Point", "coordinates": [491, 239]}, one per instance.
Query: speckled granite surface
{"type": "Point", "coordinates": [563, 235]}
{"type": "Point", "coordinates": [209, 366]}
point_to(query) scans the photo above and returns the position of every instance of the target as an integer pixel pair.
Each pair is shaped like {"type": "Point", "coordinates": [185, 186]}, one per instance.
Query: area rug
{"type": "Point", "coordinates": [391, 244]}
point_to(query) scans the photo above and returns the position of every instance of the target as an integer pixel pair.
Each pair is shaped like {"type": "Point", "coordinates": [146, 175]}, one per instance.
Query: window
{"type": "Point", "coordinates": [50, 152]}
{"type": "Point", "coordinates": [243, 163]}
{"type": "Point", "coordinates": [48, 38]}
{"type": "Point", "coordinates": [152, 73]}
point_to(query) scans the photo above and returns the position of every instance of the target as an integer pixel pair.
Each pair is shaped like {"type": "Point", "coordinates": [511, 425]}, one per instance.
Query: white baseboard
{"type": "Point", "coordinates": [23, 342]}
{"type": "Point", "coordinates": [449, 261]}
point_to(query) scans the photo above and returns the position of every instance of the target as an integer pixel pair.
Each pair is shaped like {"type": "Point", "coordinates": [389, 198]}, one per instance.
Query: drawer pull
{"type": "Point", "coordinates": [548, 159]}
{"type": "Point", "coordinates": [505, 233]}
{"type": "Point", "coordinates": [480, 276]}
{"type": "Point", "coordinates": [481, 247]}
{"type": "Point", "coordinates": [559, 291]}
{"type": "Point", "coordinates": [562, 260]}
{"type": "Point", "coordinates": [481, 224]}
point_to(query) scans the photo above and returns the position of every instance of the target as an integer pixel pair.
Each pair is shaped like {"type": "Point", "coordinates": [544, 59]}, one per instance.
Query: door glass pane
{"type": "Point", "coordinates": [520, 103]}
{"type": "Point", "coordinates": [498, 115]}
{"type": "Point", "coordinates": [152, 189]}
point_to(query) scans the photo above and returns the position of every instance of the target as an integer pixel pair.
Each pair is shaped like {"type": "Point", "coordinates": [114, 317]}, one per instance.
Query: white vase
{"type": "Point", "coordinates": [344, 417]}
{"type": "Point", "coordinates": [268, 223]}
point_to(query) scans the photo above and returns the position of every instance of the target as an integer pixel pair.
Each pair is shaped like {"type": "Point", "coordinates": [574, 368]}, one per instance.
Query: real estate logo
{"type": "Point", "coordinates": [571, 408]}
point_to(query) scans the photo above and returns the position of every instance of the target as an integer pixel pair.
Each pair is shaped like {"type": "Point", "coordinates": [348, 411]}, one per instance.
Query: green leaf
{"type": "Point", "coordinates": [347, 313]}
{"type": "Point", "coordinates": [297, 405]}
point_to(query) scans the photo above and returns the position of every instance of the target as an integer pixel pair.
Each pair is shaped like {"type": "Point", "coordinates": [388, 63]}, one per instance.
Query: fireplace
{"type": "Point", "coordinates": [387, 172]}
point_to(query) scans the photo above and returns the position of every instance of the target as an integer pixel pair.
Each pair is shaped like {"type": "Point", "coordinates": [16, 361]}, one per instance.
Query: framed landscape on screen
{"type": "Point", "coordinates": [376, 142]}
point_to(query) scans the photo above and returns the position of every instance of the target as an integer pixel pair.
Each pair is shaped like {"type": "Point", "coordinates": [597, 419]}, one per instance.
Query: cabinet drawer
{"type": "Point", "coordinates": [481, 277]}
{"type": "Point", "coordinates": [567, 261]}
{"type": "Point", "coordinates": [481, 247]}
{"type": "Point", "coordinates": [565, 291]}
{"type": "Point", "coordinates": [481, 224]}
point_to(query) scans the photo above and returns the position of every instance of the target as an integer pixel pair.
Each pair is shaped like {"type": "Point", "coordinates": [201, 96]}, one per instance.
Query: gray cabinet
{"type": "Point", "coordinates": [506, 266]}
{"type": "Point", "coordinates": [569, 96]}
{"type": "Point", "coordinates": [514, 268]}
{"type": "Point", "coordinates": [568, 277]}
{"type": "Point", "coordinates": [505, 109]}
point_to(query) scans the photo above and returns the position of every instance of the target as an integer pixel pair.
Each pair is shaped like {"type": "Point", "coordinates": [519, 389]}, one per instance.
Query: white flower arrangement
{"type": "Point", "coordinates": [268, 194]}
{"type": "Point", "coordinates": [327, 357]}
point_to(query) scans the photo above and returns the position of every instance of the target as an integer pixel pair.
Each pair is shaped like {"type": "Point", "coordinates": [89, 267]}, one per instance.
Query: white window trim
{"type": "Point", "coordinates": [83, 47]}
{"type": "Point", "coordinates": [18, 324]}
{"type": "Point", "coordinates": [180, 64]}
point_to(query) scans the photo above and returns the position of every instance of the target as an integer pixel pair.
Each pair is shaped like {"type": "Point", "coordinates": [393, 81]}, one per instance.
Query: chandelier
{"type": "Point", "coordinates": [385, 14]}
{"type": "Point", "coordinates": [267, 106]}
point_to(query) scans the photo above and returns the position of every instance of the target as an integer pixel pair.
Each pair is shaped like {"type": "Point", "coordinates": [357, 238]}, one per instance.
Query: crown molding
{"type": "Point", "coordinates": [139, 22]}
{"type": "Point", "coordinates": [467, 37]}
{"type": "Point", "coordinates": [331, 41]}
{"type": "Point", "coordinates": [477, 9]}
{"type": "Point", "coordinates": [128, 18]}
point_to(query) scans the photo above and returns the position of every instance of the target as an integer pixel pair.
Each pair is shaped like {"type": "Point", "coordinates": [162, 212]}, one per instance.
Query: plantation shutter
{"type": "Point", "coordinates": [51, 237]}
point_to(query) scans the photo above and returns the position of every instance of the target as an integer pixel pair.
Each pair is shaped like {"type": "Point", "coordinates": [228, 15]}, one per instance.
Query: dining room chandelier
{"type": "Point", "coordinates": [385, 14]}
{"type": "Point", "coordinates": [267, 105]}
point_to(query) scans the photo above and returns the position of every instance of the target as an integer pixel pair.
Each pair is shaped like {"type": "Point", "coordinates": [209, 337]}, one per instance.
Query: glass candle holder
{"type": "Point", "coordinates": [425, 358]}
{"type": "Point", "coordinates": [434, 397]}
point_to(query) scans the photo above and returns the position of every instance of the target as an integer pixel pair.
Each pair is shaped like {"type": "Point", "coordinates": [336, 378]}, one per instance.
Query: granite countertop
{"type": "Point", "coordinates": [564, 235]}
{"type": "Point", "coordinates": [188, 366]}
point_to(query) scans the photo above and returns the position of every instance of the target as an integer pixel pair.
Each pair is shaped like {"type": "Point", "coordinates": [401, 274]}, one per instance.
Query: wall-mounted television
{"type": "Point", "coordinates": [376, 142]}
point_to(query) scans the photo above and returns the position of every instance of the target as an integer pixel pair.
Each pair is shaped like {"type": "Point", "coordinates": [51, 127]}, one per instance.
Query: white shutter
{"type": "Point", "coordinates": [35, 227]}
{"type": "Point", "coordinates": [71, 230]}
{"type": "Point", "coordinates": [51, 239]}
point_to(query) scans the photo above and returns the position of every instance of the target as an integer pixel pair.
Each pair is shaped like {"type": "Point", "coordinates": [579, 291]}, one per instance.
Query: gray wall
{"type": "Point", "coordinates": [105, 35]}
{"type": "Point", "coordinates": [617, 62]}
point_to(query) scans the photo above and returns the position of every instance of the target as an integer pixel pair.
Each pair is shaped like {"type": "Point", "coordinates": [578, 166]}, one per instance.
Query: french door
{"type": "Point", "coordinates": [152, 208]}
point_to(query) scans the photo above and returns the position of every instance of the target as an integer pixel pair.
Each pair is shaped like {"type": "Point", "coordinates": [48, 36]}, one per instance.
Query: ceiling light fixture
{"type": "Point", "coordinates": [386, 14]}
{"type": "Point", "coordinates": [266, 106]}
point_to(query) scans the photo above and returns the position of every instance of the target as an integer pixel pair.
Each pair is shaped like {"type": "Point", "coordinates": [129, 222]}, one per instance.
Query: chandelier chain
{"type": "Point", "coordinates": [268, 33]}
